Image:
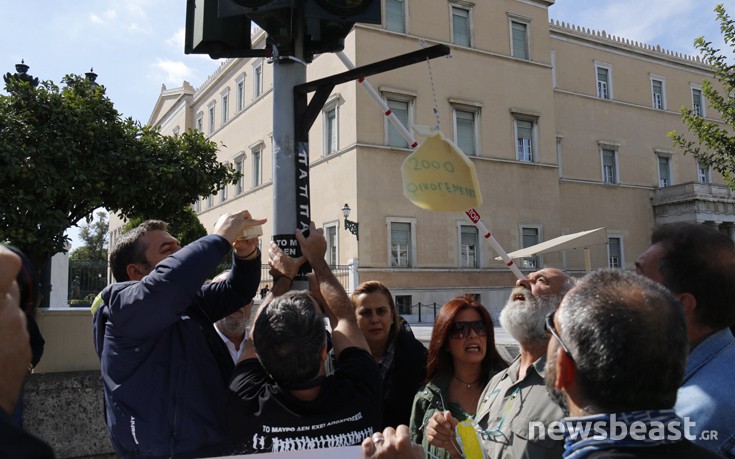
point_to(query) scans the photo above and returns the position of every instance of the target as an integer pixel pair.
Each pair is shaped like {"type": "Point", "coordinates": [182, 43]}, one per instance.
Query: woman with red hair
{"type": "Point", "coordinates": [462, 359]}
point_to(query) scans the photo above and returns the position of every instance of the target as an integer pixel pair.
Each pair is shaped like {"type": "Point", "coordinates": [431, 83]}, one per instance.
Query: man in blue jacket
{"type": "Point", "coordinates": [164, 369]}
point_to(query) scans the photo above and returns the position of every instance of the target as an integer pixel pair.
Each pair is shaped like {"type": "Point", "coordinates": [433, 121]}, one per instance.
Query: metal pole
{"type": "Point", "coordinates": [291, 209]}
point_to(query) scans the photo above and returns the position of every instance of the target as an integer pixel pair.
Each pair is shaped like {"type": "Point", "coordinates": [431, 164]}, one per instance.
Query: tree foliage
{"type": "Point", "coordinates": [94, 236]}
{"type": "Point", "coordinates": [714, 145]}
{"type": "Point", "coordinates": [66, 151]}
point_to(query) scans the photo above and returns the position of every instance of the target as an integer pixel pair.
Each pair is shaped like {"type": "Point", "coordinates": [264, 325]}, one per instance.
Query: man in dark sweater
{"type": "Point", "coordinates": [614, 364]}
{"type": "Point", "coordinates": [281, 397]}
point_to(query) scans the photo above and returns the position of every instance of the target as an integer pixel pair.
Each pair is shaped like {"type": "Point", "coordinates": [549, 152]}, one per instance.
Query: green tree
{"type": "Point", "coordinates": [94, 235]}
{"type": "Point", "coordinates": [65, 152]}
{"type": "Point", "coordinates": [714, 144]}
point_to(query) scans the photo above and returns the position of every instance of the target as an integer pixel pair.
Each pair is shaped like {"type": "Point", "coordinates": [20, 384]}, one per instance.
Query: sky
{"type": "Point", "coordinates": [136, 46]}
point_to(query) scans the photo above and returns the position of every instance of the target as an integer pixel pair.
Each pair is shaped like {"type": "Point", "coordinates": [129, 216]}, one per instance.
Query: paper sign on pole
{"type": "Point", "coordinates": [438, 176]}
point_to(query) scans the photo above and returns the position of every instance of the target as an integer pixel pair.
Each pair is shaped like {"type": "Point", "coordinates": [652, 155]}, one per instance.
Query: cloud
{"type": "Point", "coordinates": [171, 72]}
{"type": "Point", "coordinates": [177, 39]}
{"type": "Point", "coordinates": [103, 18]}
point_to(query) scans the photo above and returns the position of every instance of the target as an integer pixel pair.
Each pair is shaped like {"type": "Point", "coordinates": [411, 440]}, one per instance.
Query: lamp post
{"type": "Point", "coordinates": [352, 227]}
{"type": "Point", "coordinates": [21, 74]}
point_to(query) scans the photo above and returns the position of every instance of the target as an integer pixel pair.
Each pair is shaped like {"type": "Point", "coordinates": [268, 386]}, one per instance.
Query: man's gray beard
{"type": "Point", "coordinates": [525, 320]}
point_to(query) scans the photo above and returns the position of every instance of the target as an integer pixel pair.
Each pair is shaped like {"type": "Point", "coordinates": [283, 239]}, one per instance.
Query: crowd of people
{"type": "Point", "coordinates": [614, 364]}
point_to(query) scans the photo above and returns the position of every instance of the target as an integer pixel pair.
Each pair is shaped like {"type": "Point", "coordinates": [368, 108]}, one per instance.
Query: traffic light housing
{"type": "Point", "coordinates": [323, 24]}
{"type": "Point", "coordinates": [208, 33]}
{"type": "Point", "coordinates": [329, 21]}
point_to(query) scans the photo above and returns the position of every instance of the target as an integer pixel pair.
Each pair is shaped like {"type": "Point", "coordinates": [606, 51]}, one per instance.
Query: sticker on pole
{"type": "Point", "coordinates": [438, 176]}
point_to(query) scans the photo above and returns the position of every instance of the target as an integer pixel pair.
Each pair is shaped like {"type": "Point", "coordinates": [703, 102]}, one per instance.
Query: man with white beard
{"type": "Point", "coordinates": [516, 396]}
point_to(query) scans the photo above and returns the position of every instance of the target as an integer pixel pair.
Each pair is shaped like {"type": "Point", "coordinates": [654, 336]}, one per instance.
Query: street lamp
{"type": "Point", "coordinates": [21, 74]}
{"type": "Point", "coordinates": [351, 226]}
{"type": "Point", "coordinates": [91, 76]}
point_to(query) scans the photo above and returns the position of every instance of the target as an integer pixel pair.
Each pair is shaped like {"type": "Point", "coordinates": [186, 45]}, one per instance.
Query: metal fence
{"type": "Point", "coordinates": [421, 312]}
{"type": "Point", "coordinates": [86, 280]}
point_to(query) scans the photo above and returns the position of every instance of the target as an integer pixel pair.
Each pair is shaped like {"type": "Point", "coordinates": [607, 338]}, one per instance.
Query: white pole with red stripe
{"type": "Point", "coordinates": [475, 218]}
{"type": "Point", "coordinates": [473, 215]}
{"type": "Point", "coordinates": [379, 100]}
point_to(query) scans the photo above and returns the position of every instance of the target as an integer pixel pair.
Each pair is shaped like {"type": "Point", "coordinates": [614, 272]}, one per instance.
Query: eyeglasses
{"type": "Point", "coordinates": [461, 330]}
{"type": "Point", "coordinates": [550, 328]}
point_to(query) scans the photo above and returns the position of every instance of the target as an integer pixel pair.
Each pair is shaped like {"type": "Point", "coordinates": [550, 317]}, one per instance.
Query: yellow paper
{"type": "Point", "coordinates": [470, 443]}
{"type": "Point", "coordinates": [438, 176]}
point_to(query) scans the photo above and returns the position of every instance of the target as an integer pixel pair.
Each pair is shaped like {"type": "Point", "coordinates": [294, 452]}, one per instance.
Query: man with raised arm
{"type": "Point", "coordinates": [164, 368]}
{"type": "Point", "coordinates": [281, 398]}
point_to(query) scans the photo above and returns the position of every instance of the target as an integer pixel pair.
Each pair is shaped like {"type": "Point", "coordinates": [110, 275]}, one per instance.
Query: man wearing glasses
{"type": "Point", "coordinates": [615, 364]}
{"type": "Point", "coordinates": [517, 396]}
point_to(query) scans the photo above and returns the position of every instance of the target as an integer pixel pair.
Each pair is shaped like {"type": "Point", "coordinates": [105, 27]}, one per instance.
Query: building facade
{"type": "Point", "coordinates": [567, 128]}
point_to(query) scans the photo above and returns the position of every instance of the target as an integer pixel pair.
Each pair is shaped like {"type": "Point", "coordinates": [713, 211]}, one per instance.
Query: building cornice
{"type": "Point", "coordinates": [559, 29]}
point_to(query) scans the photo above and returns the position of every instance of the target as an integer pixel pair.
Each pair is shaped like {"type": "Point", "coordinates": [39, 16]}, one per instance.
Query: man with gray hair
{"type": "Point", "coordinates": [518, 394]}
{"type": "Point", "coordinates": [615, 364]}
{"type": "Point", "coordinates": [281, 397]}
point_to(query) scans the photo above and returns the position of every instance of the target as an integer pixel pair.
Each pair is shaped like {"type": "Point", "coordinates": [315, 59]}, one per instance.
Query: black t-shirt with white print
{"type": "Point", "coordinates": [262, 417]}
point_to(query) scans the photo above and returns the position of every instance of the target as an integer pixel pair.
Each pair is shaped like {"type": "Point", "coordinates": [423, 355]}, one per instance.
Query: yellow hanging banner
{"type": "Point", "coordinates": [438, 176]}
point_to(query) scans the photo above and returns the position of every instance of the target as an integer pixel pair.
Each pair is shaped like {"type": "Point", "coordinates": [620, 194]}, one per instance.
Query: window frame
{"type": "Point", "coordinates": [327, 226]}
{"type": "Point", "coordinates": [526, 23]}
{"type": "Point", "coordinates": [331, 105]}
{"type": "Point", "coordinates": [616, 163]}
{"type": "Point", "coordinates": [621, 247]}
{"type": "Point", "coordinates": [410, 100]}
{"type": "Point", "coordinates": [475, 110]}
{"type": "Point", "coordinates": [455, 6]}
{"type": "Point", "coordinates": [199, 123]}
{"type": "Point", "coordinates": [404, 17]}
{"type": "Point", "coordinates": [258, 89]}
{"type": "Point", "coordinates": [211, 112]}
{"type": "Point", "coordinates": [703, 107]}
{"type": "Point", "coordinates": [707, 175]}
{"type": "Point", "coordinates": [662, 81]}
{"type": "Point", "coordinates": [240, 93]}
{"type": "Point", "coordinates": [478, 262]}
{"type": "Point", "coordinates": [534, 136]}
{"type": "Point", "coordinates": [225, 106]}
{"type": "Point", "coordinates": [667, 157]}
{"type": "Point", "coordinates": [411, 248]}
{"type": "Point", "coordinates": [538, 260]}
{"type": "Point", "coordinates": [256, 163]}
{"type": "Point", "coordinates": [240, 167]}
{"type": "Point", "coordinates": [608, 83]}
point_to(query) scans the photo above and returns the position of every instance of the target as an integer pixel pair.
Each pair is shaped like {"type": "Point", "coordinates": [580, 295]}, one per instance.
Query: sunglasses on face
{"type": "Point", "coordinates": [461, 330]}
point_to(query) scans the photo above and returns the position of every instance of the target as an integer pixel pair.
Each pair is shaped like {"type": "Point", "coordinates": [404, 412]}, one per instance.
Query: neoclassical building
{"type": "Point", "coordinates": [566, 126]}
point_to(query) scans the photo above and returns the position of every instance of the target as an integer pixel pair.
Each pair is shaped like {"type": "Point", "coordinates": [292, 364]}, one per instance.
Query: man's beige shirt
{"type": "Point", "coordinates": [506, 409]}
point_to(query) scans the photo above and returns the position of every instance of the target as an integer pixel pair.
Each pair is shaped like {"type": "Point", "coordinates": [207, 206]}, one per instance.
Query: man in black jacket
{"type": "Point", "coordinates": [164, 368]}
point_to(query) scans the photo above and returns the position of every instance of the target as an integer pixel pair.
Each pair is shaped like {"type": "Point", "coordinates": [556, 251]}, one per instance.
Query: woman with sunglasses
{"type": "Point", "coordinates": [400, 356]}
{"type": "Point", "coordinates": [462, 359]}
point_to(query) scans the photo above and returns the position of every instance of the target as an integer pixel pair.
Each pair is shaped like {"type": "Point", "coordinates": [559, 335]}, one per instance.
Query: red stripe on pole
{"type": "Point", "coordinates": [388, 113]}
{"type": "Point", "coordinates": [487, 236]}
{"type": "Point", "coordinates": [509, 263]}
{"type": "Point", "coordinates": [361, 79]}
{"type": "Point", "coordinates": [414, 145]}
